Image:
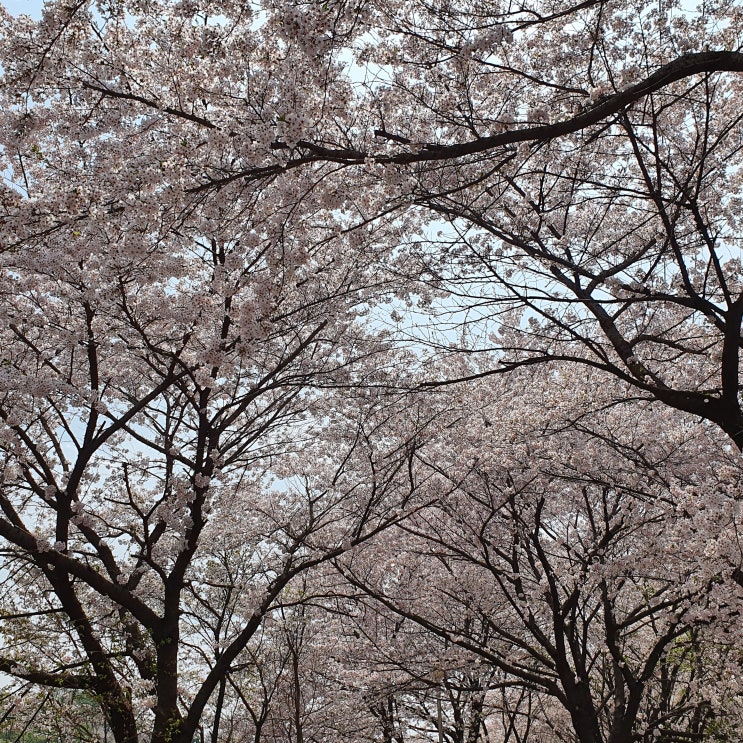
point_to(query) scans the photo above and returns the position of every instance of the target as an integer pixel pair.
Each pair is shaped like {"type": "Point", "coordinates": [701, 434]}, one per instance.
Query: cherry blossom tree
{"type": "Point", "coordinates": [171, 457]}
{"type": "Point", "coordinates": [584, 567]}
{"type": "Point", "coordinates": [589, 172]}
{"type": "Point", "coordinates": [585, 155]}
{"type": "Point", "coordinates": [166, 474]}
{"type": "Point", "coordinates": [225, 224]}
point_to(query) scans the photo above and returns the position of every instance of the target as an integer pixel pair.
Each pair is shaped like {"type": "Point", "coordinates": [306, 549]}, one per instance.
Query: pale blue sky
{"type": "Point", "coordinates": [30, 7]}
